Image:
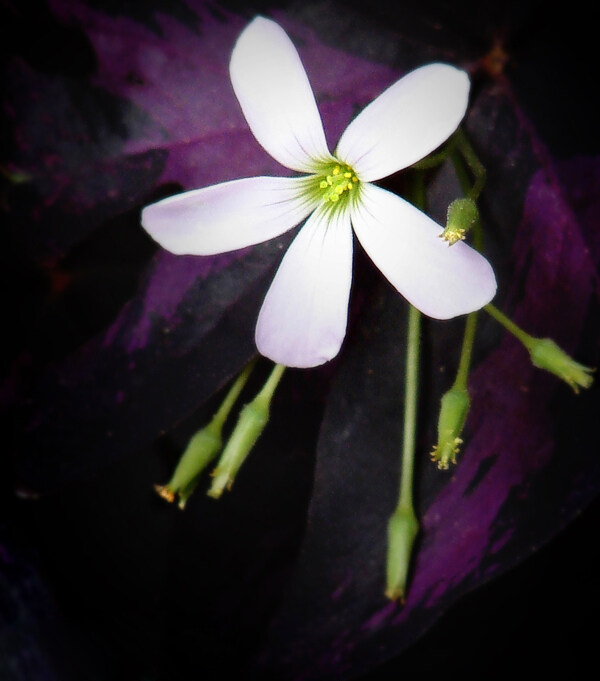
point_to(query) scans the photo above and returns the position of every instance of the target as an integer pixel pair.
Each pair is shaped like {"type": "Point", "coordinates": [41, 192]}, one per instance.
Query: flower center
{"type": "Point", "coordinates": [337, 182]}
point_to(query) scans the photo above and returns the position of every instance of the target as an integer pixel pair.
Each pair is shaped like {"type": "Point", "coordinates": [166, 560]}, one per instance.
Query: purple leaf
{"type": "Point", "coordinates": [179, 123]}
{"type": "Point", "coordinates": [513, 487]}
{"type": "Point", "coordinates": [157, 109]}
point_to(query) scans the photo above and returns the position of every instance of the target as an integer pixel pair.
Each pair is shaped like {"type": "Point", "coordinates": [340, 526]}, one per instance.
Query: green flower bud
{"type": "Point", "coordinates": [203, 447]}
{"type": "Point", "coordinates": [453, 414]}
{"type": "Point", "coordinates": [461, 217]}
{"type": "Point", "coordinates": [201, 450]}
{"type": "Point", "coordinates": [251, 422]}
{"type": "Point", "coordinates": [403, 528]}
{"type": "Point", "coordinates": [546, 354]}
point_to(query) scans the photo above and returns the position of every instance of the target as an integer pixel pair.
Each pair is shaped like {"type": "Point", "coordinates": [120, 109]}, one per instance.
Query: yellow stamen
{"type": "Point", "coordinates": [340, 180]}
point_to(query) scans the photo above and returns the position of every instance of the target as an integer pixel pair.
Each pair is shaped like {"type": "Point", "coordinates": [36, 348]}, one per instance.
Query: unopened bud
{"type": "Point", "coordinates": [453, 414]}
{"type": "Point", "coordinates": [251, 422]}
{"type": "Point", "coordinates": [203, 447]}
{"type": "Point", "coordinates": [201, 450]}
{"type": "Point", "coordinates": [461, 217]}
{"type": "Point", "coordinates": [403, 528]}
{"type": "Point", "coordinates": [546, 354]}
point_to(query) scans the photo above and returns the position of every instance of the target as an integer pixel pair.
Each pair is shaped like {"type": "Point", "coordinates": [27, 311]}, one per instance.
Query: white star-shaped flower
{"type": "Point", "coordinates": [303, 319]}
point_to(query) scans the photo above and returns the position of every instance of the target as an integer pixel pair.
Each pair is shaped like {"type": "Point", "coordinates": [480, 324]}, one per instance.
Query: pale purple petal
{"type": "Point", "coordinates": [406, 122]}
{"type": "Point", "coordinates": [440, 280]}
{"type": "Point", "coordinates": [277, 100]}
{"type": "Point", "coordinates": [227, 216]}
{"type": "Point", "coordinates": [303, 319]}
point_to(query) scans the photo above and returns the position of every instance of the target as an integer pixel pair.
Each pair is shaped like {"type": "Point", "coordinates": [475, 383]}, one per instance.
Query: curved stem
{"type": "Point", "coordinates": [509, 325]}
{"type": "Point", "coordinates": [234, 392]}
{"type": "Point", "coordinates": [475, 165]}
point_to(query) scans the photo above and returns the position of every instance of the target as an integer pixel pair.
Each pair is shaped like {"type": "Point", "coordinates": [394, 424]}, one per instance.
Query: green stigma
{"type": "Point", "coordinates": [341, 179]}
{"type": "Point", "coordinates": [334, 183]}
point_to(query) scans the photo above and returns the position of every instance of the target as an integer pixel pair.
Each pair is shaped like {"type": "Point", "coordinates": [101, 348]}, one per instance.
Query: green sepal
{"type": "Point", "coordinates": [461, 217]}
{"type": "Point", "coordinates": [251, 422]}
{"type": "Point", "coordinates": [546, 354]}
{"type": "Point", "coordinates": [453, 413]}
{"type": "Point", "coordinates": [403, 528]}
{"type": "Point", "coordinates": [201, 450]}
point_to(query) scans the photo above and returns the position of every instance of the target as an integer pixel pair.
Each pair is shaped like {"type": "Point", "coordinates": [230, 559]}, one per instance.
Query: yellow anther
{"type": "Point", "coordinates": [453, 235]}
{"type": "Point", "coordinates": [334, 181]}
{"type": "Point", "coordinates": [165, 492]}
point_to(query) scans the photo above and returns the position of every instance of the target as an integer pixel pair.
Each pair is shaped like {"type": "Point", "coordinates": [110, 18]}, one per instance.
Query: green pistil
{"type": "Point", "coordinates": [333, 184]}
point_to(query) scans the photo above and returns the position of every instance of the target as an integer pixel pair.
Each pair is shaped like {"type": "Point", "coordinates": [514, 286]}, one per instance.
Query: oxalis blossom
{"type": "Point", "coordinates": [303, 319]}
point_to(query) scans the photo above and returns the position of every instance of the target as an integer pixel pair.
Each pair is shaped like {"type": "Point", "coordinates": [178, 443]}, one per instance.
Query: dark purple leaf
{"type": "Point", "coordinates": [513, 487]}
{"type": "Point", "coordinates": [183, 333]}
{"type": "Point", "coordinates": [158, 108]}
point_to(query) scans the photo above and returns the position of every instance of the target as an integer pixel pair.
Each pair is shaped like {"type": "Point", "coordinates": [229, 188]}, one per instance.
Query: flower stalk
{"type": "Point", "coordinates": [463, 215]}
{"type": "Point", "coordinates": [455, 403]}
{"type": "Point", "coordinates": [546, 354]}
{"type": "Point", "coordinates": [251, 422]}
{"type": "Point", "coordinates": [202, 448]}
{"type": "Point", "coordinates": [476, 167]}
{"type": "Point", "coordinates": [403, 525]}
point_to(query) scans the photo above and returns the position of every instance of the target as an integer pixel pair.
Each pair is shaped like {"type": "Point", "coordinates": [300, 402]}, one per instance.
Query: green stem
{"type": "Point", "coordinates": [475, 165]}
{"type": "Point", "coordinates": [434, 160]}
{"type": "Point", "coordinates": [403, 525]}
{"type": "Point", "coordinates": [251, 422]}
{"type": "Point", "coordinates": [465, 354]}
{"type": "Point", "coordinates": [419, 199]}
{"type": "Point", "coordinates": [203, 447]}
{"type": "Point", "coordinates": [220, 417]}
{"type": "Point", "coordinates": [410, 408]}
{"type": "Point", "coordinates": [470, 191]}
{"type": "Point", "coordinates": [509, 325]}
{"type": "Point", "coordinates": [467, 189]}
{"type": "Point", "coordinates": [266, 393]}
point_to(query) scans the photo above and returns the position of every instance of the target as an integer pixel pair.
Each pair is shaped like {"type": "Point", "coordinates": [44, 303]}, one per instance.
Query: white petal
{"type": "Point", "coordinates": [227, 216]}
{"type": "Point", "coordinates": [302, 322]}
{"type": "Point", "coordinates": [406, 122]}
{"type": "Point", "coordinates": [440, 280]}
{"type": "Point", "coordinates": [277, 100]}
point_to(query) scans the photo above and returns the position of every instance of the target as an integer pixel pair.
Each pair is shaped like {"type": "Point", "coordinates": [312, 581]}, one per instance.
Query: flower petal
{"type": "Point", "coordinates": [227, 216]}
{"type": "Point", "coordinates": [277, 100]}
{"type": "Point", "coordinates": [303, 319]}
{"type": "Point", "coordinates": [405, 122]}
{"type": "Point", "coordinates": [440, 280]}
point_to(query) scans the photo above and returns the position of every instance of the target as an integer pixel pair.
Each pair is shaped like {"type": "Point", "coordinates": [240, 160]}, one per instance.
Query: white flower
{"type": "Point", "coordinates": [303, 319]}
